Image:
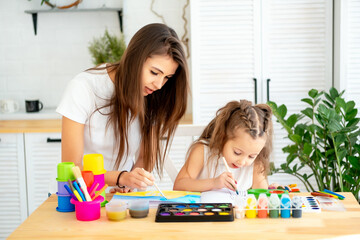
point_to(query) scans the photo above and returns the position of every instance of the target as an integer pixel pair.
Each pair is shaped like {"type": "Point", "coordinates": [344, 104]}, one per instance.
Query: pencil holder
{"type": "Point", "coordinates": [88, 211]}
{"type": "Point", "coordinates": [64, 171]}
{"type": "Point", "coordinates": [61, 189]}
{"type": "Point", "coordinates": [64, 203]}
{"type": "Point", "coordinates": [94, 163]}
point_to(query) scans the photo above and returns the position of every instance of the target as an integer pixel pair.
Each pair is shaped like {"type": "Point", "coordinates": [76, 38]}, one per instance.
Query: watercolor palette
{"type": "Point", "coordinates": [194, 212]}
{"type": "Point", "coordinates": [311, 205]}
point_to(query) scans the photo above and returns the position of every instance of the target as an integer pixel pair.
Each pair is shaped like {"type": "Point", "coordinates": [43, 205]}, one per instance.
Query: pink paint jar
{"type": "Point", "coordinates": [88, 211]}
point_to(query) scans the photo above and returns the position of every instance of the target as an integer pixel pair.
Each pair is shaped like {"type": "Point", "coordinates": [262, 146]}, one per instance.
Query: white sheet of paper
{"type": "Point", "coordinates": [223, 195]}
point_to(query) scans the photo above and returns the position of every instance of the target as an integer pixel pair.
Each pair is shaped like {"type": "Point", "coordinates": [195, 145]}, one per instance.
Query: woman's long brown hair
{"type": "Point", "coordinates": [160, 112]}
{"type": "Point", "coordinates": [255, 119]}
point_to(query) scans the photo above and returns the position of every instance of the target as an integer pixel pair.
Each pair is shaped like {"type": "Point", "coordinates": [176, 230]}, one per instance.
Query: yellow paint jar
{"type": "Point", "coordinates": [116, 210]}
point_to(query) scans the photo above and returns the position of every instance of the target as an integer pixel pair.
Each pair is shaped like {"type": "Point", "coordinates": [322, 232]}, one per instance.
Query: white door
{"type": "Point", "coordinates": [297, 56]}
{"type": "Point", "coordinates": [13, 208]}
{"type": "Point", "coordinates": [43, 153]}
{"type": "Point", "coordinates": [225, 48]}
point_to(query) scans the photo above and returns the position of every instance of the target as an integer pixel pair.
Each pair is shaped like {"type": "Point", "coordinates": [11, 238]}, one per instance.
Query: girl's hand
{"type": "Point", "coordinates": [225, 180]}
{"type": "Point", "coordinates": [120, 190]}
{"type": "Point", "coordinates": [137, 178]}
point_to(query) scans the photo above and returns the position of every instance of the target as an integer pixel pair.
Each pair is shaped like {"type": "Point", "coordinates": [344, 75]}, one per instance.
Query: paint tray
{"type": "Point", "coordinates": [195, 212]}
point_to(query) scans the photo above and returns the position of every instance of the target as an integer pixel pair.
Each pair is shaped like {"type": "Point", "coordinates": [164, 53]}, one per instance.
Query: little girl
{"type": "Point", "coordinates": [242, 134]}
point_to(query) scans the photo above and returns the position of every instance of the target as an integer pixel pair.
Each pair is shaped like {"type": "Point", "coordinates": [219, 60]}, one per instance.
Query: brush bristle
{"type": "Point", "coordinates": [77, 172]}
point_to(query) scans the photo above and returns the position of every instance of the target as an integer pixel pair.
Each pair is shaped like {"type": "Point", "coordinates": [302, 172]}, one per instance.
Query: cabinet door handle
{"type": "Point", "coordinates": [49, 140]}
{"type": "Point", "coordinates": [255, 91]}
{"type": "Point", "coordinates": [268, 88]}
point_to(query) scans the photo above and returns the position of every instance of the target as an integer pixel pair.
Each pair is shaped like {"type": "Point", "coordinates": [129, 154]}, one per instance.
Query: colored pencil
{"type": "Point", "coordinates": [336, 194]}
{"type": "Point", "coordinates": [78, 176]}
{"type": "Point", "coordinates": [100, 191]}
{"type": "Point", "coordinates": [76, 186]}
{"type": "Point", "coordinates": [78, 196]}
{"type": "Point", "coordinates": [70, 192]}
{"type": "Point", "coordinates": [93, 189]}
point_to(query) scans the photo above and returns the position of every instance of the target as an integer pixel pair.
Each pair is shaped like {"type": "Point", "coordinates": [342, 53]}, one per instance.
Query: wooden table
{"type": "Point", "coordinates": [46, 223]}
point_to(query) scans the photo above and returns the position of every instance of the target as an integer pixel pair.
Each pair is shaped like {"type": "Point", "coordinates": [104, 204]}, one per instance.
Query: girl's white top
{"type": "Point", "coordinates": [243, 175]}
{"type": "Point", "coordinates": [83, 95]}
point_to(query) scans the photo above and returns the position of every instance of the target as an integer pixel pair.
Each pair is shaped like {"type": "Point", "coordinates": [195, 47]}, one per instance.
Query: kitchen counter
{"type": "Point", "coordinates": [46, 125]}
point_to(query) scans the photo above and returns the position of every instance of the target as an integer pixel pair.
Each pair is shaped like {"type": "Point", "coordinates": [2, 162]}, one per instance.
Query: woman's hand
{"type": "Point", "coordinates": [225, 180]}
{"type": "Point", "coordinates": [138, 178]}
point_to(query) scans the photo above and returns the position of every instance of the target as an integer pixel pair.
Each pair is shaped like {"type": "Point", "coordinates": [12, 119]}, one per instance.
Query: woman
{"type": "Point", "coordinates": [122, 110]}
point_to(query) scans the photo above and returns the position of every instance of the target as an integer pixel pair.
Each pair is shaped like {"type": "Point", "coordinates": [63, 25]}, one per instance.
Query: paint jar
{"type": "Point", "coordinates": [88, 177]}
{"type": "Point", "coordinates": [250, 206]}
{"type": "Point", "coordinates": [296, 207]}
{"type": "Point", "coordinates": [274, 206]}
{"type": "Point", "coordinates": [139, 208]}
{"type": "Point", "coordinates": [116, 210]}
{"type": "Point", "coordinates": [285, 205]}
{"type": "Point", "coordinates": [88, 211]}
{"type": "Point", "coordinates": [94, 163]}
{"type": "Point", "coordinates": [64, 203]}
{"type": "Point", "coordinates": [239, 206]}
{"type": "Point", "coordinates": [61, 189]}
{"type": "Point", "coordinates": [64, 171]}
{"type": "Point", "coordinates": [262, 205]}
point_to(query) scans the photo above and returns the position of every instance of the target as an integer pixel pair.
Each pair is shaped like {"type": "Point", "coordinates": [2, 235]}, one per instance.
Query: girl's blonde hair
{"type": "Point", "coordinates": [255, 119]}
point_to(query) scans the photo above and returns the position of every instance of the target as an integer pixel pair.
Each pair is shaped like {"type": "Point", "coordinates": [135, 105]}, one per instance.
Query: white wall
{"type": "Point", "coordinates": [40, 66]}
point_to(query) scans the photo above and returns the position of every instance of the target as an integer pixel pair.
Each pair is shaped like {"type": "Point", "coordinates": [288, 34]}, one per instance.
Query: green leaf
{"type": "Point", "coordinates": [329, 152]}
{"type": "Point", "coordinates": [349, 179]}
{"type": "Point", "coordinates": [308, 112]}
{"type": "Point", "coordinates": [334, 93]}
{"type": "Point", "coordinates": [282, 110]}
{"type": "Point", "coordinates": [334, 125]}
{"type": "Point", "coordinates": [313, 92]}
{"type": "Point", "coordinates": [340, 102]}
{"type": "Point", "coordinates": [329, 98]}
{"type": "Point", "coordinates": [341, 154]}
{"type": "Point", "coordinates": [292, 120]}
{"type": "Point", "coordinates": [351, 114]}
{"type": "Point", "coordinates": [353, 122]}
{"type": "Point", "coordinates": [349, 106]}
{"type": "Point", "coordinates": [308, 101]}
{"type": "Point", "coordinates": [307, 148]}
{"type": "Point", "coordinates": [295, 138]}
{"type": "Point", "coordinates": [355, 162]}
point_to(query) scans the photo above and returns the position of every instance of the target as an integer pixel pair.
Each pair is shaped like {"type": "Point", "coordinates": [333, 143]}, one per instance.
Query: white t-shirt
{"type": "Point", "coordinates": [85, 93]}
{"type": "Point", "coordinates": [243, 175]}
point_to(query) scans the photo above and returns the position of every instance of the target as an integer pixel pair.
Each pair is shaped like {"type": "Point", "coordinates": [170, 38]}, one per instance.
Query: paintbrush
{"type": "Point", "coordinates": [157, 187]}
{"type": "Point", "coordinates": [228, 169]}
{"type": "Point", "coordinates": [78, 176]}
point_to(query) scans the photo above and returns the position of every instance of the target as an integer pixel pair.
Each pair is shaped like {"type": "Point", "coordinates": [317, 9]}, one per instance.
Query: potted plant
{"type": "Point", "coordinates": [107, 49]}
{"type": "Point", "coordinates": [325, 138]}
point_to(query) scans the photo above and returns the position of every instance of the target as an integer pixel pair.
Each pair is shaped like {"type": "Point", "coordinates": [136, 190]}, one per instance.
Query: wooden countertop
{"type": "Point", "coordinates": [46, 223]}
{"type": "Point", "coordinates": [47, 125]}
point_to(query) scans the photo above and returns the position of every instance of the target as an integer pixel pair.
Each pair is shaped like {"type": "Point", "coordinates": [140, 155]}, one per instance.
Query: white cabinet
{"type": "Point", "coordinates": [235, 42]}
{"type": "Point", "coordinates": [43, 153]}
{"type": "Point", "coordinates": [13, 209]}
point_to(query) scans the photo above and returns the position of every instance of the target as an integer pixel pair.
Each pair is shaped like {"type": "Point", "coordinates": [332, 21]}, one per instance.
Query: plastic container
{"type": "Point", "coordinates": [285, 205]}
{"type": "Point", "coordinates": [100, 179]}
{"type": "Point", "coordinates": [61, 189]}
{"type": "Point", "coordinates": [258, 191]}
{"type": "Point", "coordinates": [251, 206]}
{"type": "Point", "coordinates": [88, 211]}
{"type": "Point", "coordinates": [239, 206]}
{"type": "Point", "coordinates": [103, 203]}
{"type": "Point", "coordinates": [139, 208]}
{"type": "Point", "coordinates": [88, 177]}
{"type": "Point", "coordinates": [263, 206]}
{"type": "Point", "coordinates": [296, 207]}
{"type": "Point", "coordinates": [94, 163]}
{"type": "Point", "coordinates": [274, 206]}
{"type": "Point", "coordinates": [64, 171]}
{"type": "Point", "coordinates": [64, 203]}
{"type": "Point", "coordinates": [116, 210]}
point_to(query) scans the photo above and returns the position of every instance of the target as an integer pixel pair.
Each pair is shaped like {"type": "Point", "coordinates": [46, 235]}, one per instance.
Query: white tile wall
{"type": "Point", "coordinates": [40, 66]}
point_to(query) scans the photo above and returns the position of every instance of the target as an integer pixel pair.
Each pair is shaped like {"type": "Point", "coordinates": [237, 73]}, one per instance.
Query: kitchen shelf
{"type": "Point", "coordinates": [35, 12]}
